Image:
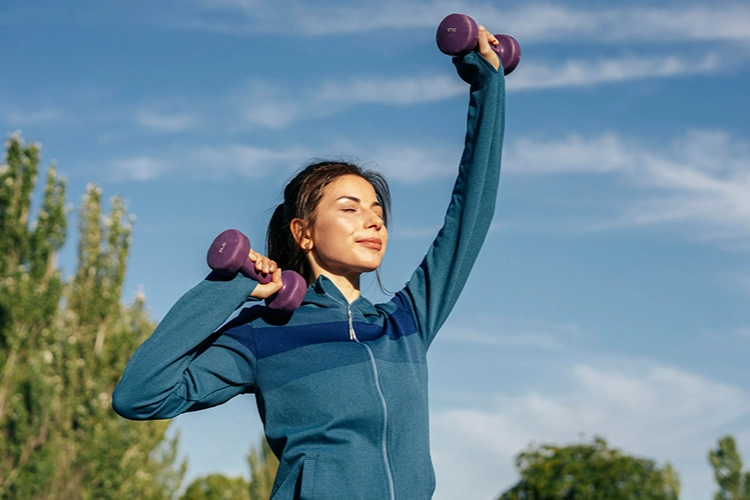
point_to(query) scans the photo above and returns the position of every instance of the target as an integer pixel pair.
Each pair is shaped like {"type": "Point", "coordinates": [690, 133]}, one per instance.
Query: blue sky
{"type": "Point", "coordinates": [612, 296]}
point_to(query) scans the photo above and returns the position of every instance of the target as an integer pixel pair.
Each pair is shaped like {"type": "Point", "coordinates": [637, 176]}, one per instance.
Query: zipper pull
{"type": "Point", "coordinates": [352, 334]}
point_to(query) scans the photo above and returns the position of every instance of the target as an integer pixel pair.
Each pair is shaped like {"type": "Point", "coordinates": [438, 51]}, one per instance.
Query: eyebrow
{"type": "Point", "coordinates": [357, 200]}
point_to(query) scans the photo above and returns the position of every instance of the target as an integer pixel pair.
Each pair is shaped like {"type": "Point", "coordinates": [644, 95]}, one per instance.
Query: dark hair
{"type": "Point", "coordinates": [301, 197]}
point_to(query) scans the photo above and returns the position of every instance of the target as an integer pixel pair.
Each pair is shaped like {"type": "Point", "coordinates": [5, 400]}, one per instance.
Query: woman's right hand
{"type": "Point", "coordinates": [267, 266]}
{"type": "Point", "coordinates": [484, 41]}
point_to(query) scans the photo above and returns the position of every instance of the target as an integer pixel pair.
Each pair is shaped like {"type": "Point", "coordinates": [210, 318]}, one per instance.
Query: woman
{"type": "Point", "coordinates": [341, 384]}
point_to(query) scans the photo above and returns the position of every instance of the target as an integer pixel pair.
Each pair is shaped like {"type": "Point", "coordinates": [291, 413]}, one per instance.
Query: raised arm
{"type": "Point", "coordinates": [185, 365]}
{"type": "Point", "coordinates": [436, 284]}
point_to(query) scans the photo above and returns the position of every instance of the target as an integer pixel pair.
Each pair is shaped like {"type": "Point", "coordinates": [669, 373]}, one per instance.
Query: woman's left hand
{"type": "Point", "coordinates": [485, 40]}
{"type": "Point", "coordinates": [266, 266]}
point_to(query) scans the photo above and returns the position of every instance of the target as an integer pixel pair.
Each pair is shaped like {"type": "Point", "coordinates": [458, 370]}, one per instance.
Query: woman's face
{"type": "Point", "coordinates": [348, 235]}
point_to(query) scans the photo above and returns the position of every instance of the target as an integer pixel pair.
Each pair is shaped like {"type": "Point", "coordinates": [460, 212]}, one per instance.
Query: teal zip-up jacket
{"type": "Point", "coordinates": [341, 388]}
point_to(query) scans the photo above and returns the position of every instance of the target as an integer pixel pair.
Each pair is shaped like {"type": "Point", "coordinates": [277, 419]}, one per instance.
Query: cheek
{"type": "Point", "coordinates": [331, 232]}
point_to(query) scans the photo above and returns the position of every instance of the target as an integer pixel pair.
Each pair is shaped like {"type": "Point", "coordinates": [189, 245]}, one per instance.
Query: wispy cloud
{"type": "Point", "coordinates": [276, 104]}
{"type": "Point", "coordinates": [248, 161]}
{"type": "Point", "coordinates": [491, 330]}
{"type": "Point", "coordinates": [399, 162]}
{"type": "Point", "coordinates": [163, 122]}
{"type": "Point", "coordinates": [702, 177]}
{"type": "Point", "coordinates": [534, 75]}
{"type": "Point", "coordinates": [209, 162]}
{"type": "Point", "coordinates": [530, 23]}
{"type": "Point", "coordinates": [410, 164]}
{"type": "Point", "coordinates": [303, 18]}
{"type": "Point", "coordinates": [648, 409]}
{"type": "Point", "coordinates": [36, 117]}
{"type": "Point", "coordinates": [547, 22]}
{"type": "Point", "coordinates": [141, 168]}
{"type": "Point", "coordinates": [741, 331]}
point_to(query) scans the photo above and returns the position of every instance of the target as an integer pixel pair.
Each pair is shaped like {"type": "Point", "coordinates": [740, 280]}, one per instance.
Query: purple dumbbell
{"type": "Point", "coordinates": [457, 36]}
{"type": "Point", "coordinates": [228, 254]}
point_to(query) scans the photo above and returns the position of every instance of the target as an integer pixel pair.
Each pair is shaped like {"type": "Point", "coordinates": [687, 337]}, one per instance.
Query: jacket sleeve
{"type": "Point", "coordinates": [436, 284]}
{"type": "Point", "coordinates": [186, 365]}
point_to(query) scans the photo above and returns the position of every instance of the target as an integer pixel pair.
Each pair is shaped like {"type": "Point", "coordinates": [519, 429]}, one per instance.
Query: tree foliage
{"type": "Point", "coordinates": [263, 466]}
{"type": "Point", "coordinates": [218, 487]}
{"type": "Point", "coordinates": [64, 345]}
{"type": "Point", "coordinates": [734, 484]}
{"type": "Point", "coordinates": [589, 472]}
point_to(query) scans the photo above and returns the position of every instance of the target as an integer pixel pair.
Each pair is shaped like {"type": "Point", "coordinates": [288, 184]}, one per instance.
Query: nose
{"type": "Point", "coordinates": [374, 220]}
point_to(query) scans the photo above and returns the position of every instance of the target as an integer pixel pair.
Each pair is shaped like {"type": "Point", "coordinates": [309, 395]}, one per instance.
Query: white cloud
{"type": "Point", "coordinates": [403, 91]}
{"type": "Point", "coordinates": [741, 331]}
{"type": "Point", "coordinates": [547, 22]}
{"type": "Point", "coordinates": [411, 164]}
{"type": "Point", "coordinates": [303, 18]}
{"type": "Point", "coordinates": [28, 118]}
{"type": "Point", "coordinates": [210, 162]}
{"type": "Point", "coordinates": [573, 154]}
{"type": "Point", "coordinates": [276, 105]}
{"type": "Point", "coordinates": [647, 409]}
{"type": "Point", "coordinates": [270, 104]}
{"type": "Point", "coordinates": [248, 161]}
{"type": "Point", "coordinates": [702, 177]}
{"type": "Point", "coordinates": [533, 75]}
{"type": "Point", "coordinates": [141, 168]}
{"type": "Point", "coordinates": [162, 122]}
{"type": "Point", "coordinates": [537, 22]}
{"type": "Point", "coordinates": [505, 331]}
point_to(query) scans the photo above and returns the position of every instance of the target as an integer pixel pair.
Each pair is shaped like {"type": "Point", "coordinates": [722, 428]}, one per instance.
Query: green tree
{"type": "Point", "coordinates": [63, 346]}
{"type": "Point", "coordinates": [218, 487]}
{"type": "Point", "coordinates": [263, 466]}
{"type": "Point", "coordinates": [589, 472]}
{"type": "Point", "coordinates": [727, 464]}
{"type": "Point", "coordinates": [30, 291]}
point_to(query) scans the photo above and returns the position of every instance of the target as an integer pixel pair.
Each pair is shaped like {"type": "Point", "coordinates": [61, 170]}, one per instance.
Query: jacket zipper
{"type": "Point", "coordinates": [353, 336]}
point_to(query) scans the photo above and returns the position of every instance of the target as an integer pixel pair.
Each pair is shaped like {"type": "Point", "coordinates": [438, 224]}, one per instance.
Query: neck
{"type": "Point", "coordinates": [348, 285]}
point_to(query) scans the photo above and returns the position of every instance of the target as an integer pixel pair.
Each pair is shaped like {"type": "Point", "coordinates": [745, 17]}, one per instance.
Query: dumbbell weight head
{"type": "Point", "coordinates": [291, 294]}
{"type": "Point", "coordinates": [509, 51]}
{"type": "Point", "coordinates": [228, 254]}
{"type": "Point", "coordinates": [457, 36]}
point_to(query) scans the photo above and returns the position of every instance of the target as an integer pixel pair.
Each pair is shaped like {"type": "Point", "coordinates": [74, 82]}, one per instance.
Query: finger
{"type": "Point", "coordinates": [482, 35]}
{"type": "Point", "coordinates": [273, 286]}
{"type": "Point", "coordinates": [269, 266]}
{"type": "Point", "coordinates": [277, 276]}
{"type": "Point", "coordinates": [252, 256]}
{"type": "Point", "coordinates": [262, 265]}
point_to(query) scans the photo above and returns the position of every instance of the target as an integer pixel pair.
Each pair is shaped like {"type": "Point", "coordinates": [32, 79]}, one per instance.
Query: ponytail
{"type": "Point", "coordinates": [281, 245]}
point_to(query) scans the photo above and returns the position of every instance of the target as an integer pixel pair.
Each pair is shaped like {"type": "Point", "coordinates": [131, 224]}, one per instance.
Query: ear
{"type": "Point", "coordinates": [302, 234]}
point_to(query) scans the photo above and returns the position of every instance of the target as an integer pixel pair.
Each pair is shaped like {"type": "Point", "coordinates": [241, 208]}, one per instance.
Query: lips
{"type": "Point", "coordinates": [374, 243]}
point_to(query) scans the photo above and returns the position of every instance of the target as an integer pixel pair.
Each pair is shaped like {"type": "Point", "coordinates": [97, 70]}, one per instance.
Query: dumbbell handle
{"type": "Point", "coordinates": [228, 254]}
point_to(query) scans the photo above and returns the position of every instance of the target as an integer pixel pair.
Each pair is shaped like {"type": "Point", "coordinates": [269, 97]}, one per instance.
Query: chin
{"type": "Point", "coordinates": [368, 267]}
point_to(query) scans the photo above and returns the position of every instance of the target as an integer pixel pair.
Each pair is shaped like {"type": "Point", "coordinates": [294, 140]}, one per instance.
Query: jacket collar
{"type": "Point", "coordinates": [324, 293]}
